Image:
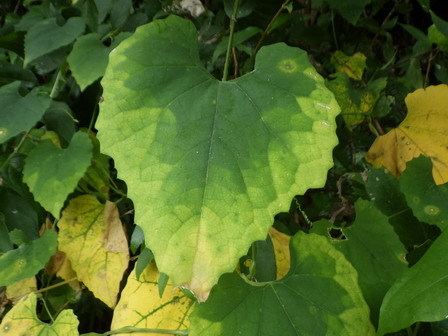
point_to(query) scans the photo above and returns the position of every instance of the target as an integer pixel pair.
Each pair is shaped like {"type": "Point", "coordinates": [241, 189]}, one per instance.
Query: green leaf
{"type": "Point", "coordinates": [420, 294]}
{"type": "Point", "coordinates": [52, 173]}
{"type": "Point", "coordinates": [144, 259]}
{"type": "Point", "coordinates": [88, 59]}
{"type": "Point", "coordinates": [13, 72]}
{"type": "Point", "coordinates": [350, 10]}
{"type": "Point", "coordinates": [22, 320]}
{"type": "Point", "coordinates": [47, 36]}
{"type": "Point", "coordinates": [245, 7]}
{"type": "Point", "coordinates": [441, 25]}
{"type": "Point", "coordinates": [5, 242]}
{"type": "Point", "coordinates": [319, 296]}
{"type": "Point", "coordinates": [19, 114]}
{"type": "Point", "coordinates": [375, 251]}
{"type": "Point", "coordinates": [427, 200]}
{"type": "Point", "coordinates": [208, 162]}
{"type": "Point", "coordinates": [28, 259]}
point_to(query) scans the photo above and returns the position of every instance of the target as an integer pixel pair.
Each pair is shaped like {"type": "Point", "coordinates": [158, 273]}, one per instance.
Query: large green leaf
{"type": "Point", "coordinates": [17, 113]}
{"type": "Point", "coordinates": [376, 252]}
{"type": "Point", "coordinates": [22, 320]}
{"type": "Point", "coordinates": [428, 201]}
{"type": "Point", "coordinates": [319, 296]}
{"type": "Point", "coordinates": [28, 259]}
{"type": "Point", "coordinates": [209, 163]}
{"type": "Point", "coordinates": [420, 294]}
{"type": "Point", "coordinates": [47, 36]}
{"type": "Point", "coordinates": [52, 173]}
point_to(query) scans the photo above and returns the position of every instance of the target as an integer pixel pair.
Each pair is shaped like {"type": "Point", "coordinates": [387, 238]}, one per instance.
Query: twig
{"type": "Point", "coordinates": [380, 29]}
{"type": "Point", "coordinates": [235, 63]}
{"type": "Point", "coordinates": [230, 44]}
{"type": "Point", "coordinates": [268, 28]}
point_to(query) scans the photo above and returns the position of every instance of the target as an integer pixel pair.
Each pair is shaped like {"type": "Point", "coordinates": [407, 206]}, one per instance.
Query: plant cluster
{"type": "Point", "coordinates": [223, 167]}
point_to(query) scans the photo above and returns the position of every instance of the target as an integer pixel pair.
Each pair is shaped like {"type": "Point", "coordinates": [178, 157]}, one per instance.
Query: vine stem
{"type": "Point", "coordinates": [230, 44]}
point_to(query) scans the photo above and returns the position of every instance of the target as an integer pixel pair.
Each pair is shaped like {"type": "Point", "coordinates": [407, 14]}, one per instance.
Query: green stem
{"type": "Point", "coordinates": [134, 329]}
{"type": "Point", "coordinates": [230, 44]}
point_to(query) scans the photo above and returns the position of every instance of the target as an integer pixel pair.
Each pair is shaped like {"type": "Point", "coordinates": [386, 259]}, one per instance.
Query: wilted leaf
{"type": "Point", "coordinates": [281, 250]}
{"type": "Point", "coordinates": [52, 173]}
{"type": "Point", "coordinates": [61, 266]}
{"type": "Point", "coordinates": [47, 36]}
{"type": "Point", "coordinates": [356, 103]}
{"type": "Point", "coordinates": [93, 238]}
{"type": "Point", "coordinates": [422, 132]}
{"type": "Point", "coordinates": [141, 306]}
{"type": "Point", "coordinates": [375, 251]}
{"type": "Point", "coordinates": [353, 65]}
{"type": "Point", "coordinates": [209, 163]}
{"type": "Point", "coordinates": [420, 294]}
{"type": "Point", "coordinates": [19, 114]}
{"type": "Point", "coordinates": [319, 296]}
{"type": "Point", "coordinates": [28, 259]}
{"type": "Point", "coordinates": [22, 320]}
{"type": "Point", "coordinates": [429, 202]}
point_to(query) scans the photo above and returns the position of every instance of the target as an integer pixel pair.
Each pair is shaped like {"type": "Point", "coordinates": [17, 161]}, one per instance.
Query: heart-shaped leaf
{"type": "Point", "coordinates": [319, 296]}
{"type": "Point", "coordinates": [209, 163]}
{"type": "Point", "coordinates": [52, 173]}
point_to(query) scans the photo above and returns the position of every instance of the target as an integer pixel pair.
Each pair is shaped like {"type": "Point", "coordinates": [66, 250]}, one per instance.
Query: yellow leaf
{"type": "Point", "coordinates": [353, 65]}
{"type": "Point", "coordinates": [93, 239]}
{"type": "Point", "coordinates": [424, 131]}
{"type": "Point", "coordinates": [22, 320]}
{"type": "Point", "coordinates": [281, 250]}
{"type": "Point", "coordinates": [140, 305]}
{"type": "Point", "coordinates": [21, 288]}
{"type": "Point", "coordinates": [61, 266]}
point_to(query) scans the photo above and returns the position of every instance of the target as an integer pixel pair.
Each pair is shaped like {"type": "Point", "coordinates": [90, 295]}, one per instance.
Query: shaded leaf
{"type": "Point", "coordinates": [420, 293]}
{"type": "Point", "coordinates": [93, 239]}
{"type": "Point", "coordinates": [423, 131]}
{"type": "Point", "coordinates": [350, 10]}
{"type": "Point", "coordinates": [429, 202]}
{"type": "Point", "coordinates": [353, 66]}
{"type": "Point", "coordinates": [218, 171]}
{"type": "Point", "coordinates": [52, 173]}
{"type": "Point", "coordinates": [375, 251]}
{"type": "Point", "coordinates": [22, 320]}
{"type": "Point", "coordinates": [281, 250]}
{"type": "Point", "coordinates": [47, 36]}
{"type": "Point", "coordinates": [28, 259]}
{"type": "Point", "coordinates": [140, 305]}
{"type": "Point", "coordinates": [19, 114]}
{"type": "Point", "coordinates": [319, 296]}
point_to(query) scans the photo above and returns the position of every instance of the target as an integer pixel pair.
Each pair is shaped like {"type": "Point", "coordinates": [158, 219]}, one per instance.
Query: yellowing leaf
{"type": "Point", "coordinates": [21, 288]}
{"type": "Point", "coordinates": [61, 266]}
{"type": "Point", "coordinates": [424, 131]}
{"type": "Point", "coordinates": [353, 65]}
{"type": "Point", "coordinates": [141, 306]}
{"type": "Point", "coordinates": [281, 250]}
{"type": "Point", "coordinates": [93, 238]}
{"type": "Point", "coordinates": [22, 320]}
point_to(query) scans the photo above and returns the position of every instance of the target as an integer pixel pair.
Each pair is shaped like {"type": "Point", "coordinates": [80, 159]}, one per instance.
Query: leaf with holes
{"type": "Point", "coordinates": [423, 131]}
{"type": "Point", "coordinates": [93, 239]}
{"type": "Point", "coordinates": [319, 296]}
{"type": "Point", "coordinates": [209, 163]}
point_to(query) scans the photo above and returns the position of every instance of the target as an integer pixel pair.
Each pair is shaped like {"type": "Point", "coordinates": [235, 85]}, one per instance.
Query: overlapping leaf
{"type": "Point", "coordinates": [281, 250]}
{"type": "Point", "coordinates": [141, 306]}
{"type": "Point", "coordinates": [22, 320]}
{"type": "Point", "coordinates": [93, 239]}
{"type": "Point", "coordinates": [52, 173]}
{"type": "Point", "coordinates": [209, 163]}
{"type": "Point", "coordinates": [422, 132]}
{"type": "Point", "coordinates": [319, 296]}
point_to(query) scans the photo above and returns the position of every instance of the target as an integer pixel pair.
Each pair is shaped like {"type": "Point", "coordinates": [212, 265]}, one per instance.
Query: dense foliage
{"type": "Point", "coordinates": [223, 167]}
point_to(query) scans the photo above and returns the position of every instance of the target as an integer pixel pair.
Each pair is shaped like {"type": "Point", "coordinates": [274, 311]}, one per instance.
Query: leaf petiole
{"type": "Point", "coordinates": [230, 44]}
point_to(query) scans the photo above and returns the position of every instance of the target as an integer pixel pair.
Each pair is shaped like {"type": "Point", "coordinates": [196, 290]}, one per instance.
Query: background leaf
{"type": "Point", "coordinates": [319, 296]}
{"type": "Point", "coordinates": [218, 173]}
{"type": "Point", "coordinates": [93, 239]}
{"type": "Point", "coordinates": [52, 173]}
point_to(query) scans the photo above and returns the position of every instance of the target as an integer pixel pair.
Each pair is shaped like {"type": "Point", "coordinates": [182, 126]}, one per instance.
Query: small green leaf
{"type": "Point", "coordinates": [209, 162]}
{"type": "Point", "coordinates": [19, 114]}
{"type": "Point", "coordinates": [144, 259]}
{"type": "Point", "coordinates": [420, 294]}
{"type": "Point", "coordinates": [52, 173]}
{"type": "Point", "coordinates": [163, 281]}
{"type": "Point", "coordinates": [375, 251]}
{"type": "Point", "coordinates": [22, 320]}
{"type": "Point", "coordinates": [350, 10]}
{"type": "Point", "coordinates": [88, 59]}
{"type": "Point", "coordinates": [28, 259]}
{"type": "Point", "coordinates": [319, 296]}
{"type": "Point", "coordinates": [47, 36]}
{"type": "Point", "coordinates": [5, 242]}
{"type": "Point", "coordinates": [441, 25]}
{"type": "Point", "coordinates": [137, 238]}
{"type": "Point", "coordinates": [428, 201]}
